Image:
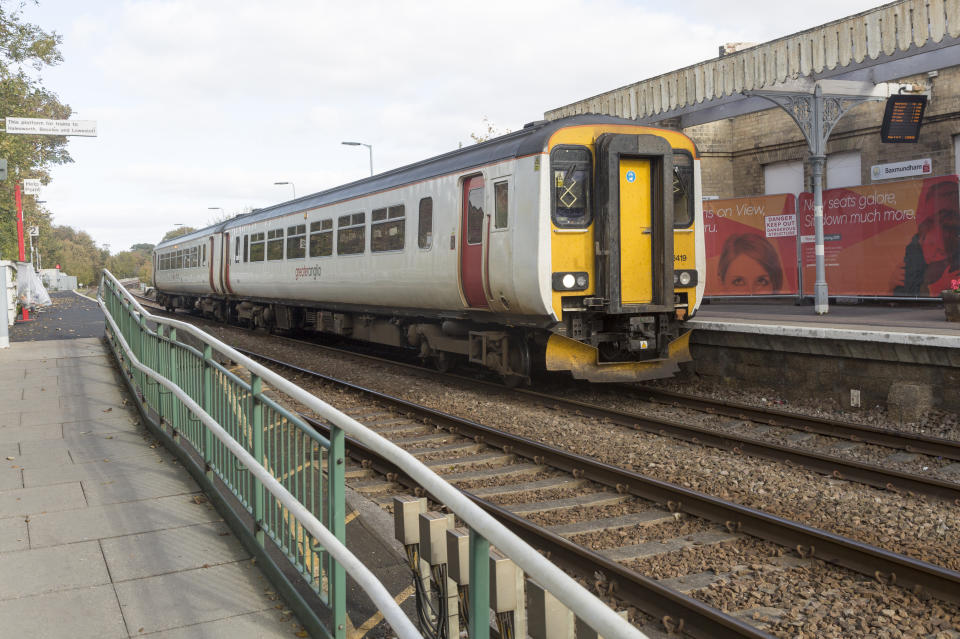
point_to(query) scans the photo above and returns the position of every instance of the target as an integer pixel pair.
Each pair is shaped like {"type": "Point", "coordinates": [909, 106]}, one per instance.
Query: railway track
{"type": "Point", "coordinates": [834, 453]}
{"type": "Point", "coordinates": [572, 507]}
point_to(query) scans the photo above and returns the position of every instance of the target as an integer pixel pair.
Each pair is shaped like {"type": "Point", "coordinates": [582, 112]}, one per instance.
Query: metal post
{"type": "Point", "coordinates": [25, 316]}
{"type": "Point", "coordinates": [479, 586]}
{"type": "Point", "coordinates": [174, 377]}
{"type": "Point", "coordinates": [207, 404]}
{"type": "Point", "coordinates": [337, 578]}
{"type": "Point", "coordinates": [4, 324]}
{"type": "Point", "coordinates": [820, 293]}
{"type": "Point", "coordinates": [256, 425]}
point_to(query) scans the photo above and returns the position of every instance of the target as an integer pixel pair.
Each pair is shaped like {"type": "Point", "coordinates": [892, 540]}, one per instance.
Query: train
{"type": "Point", "coordinates": [570, 245]}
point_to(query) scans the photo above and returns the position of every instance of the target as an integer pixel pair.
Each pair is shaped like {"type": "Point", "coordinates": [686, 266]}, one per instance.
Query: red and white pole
{"type": "Point", "coordinates": [16, 192]}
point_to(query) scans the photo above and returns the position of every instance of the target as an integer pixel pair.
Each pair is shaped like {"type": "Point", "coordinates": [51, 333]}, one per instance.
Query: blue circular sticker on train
{"type": "Point", "coordinates": [631, 176]}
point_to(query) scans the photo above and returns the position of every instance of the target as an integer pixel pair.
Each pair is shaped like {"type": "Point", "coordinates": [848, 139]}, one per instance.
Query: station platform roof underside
{"type": "Point", "coordinates": [885, 44]}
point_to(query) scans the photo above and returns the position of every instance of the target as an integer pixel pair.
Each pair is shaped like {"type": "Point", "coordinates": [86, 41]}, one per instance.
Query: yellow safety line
{"type": "Point", "coordinates": [369, 624]}
{"type": "Point", "coordinates": [350, 517]}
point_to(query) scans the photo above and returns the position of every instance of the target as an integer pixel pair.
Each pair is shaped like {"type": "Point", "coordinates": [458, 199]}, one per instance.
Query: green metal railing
{"type": "Point", "coordinates": [295, 454]}
{"type": "Point", "coordinates": [289, 480]}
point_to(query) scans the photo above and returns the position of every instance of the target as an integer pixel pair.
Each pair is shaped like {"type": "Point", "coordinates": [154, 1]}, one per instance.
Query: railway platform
{"type": "Point", "coordinates": [861, 354]}
{"type": "Point", "coordinates": [103, 532]}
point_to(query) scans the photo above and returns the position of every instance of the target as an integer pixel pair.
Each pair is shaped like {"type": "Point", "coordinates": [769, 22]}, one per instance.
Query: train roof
{"type": "Point", "coordinates": [531, 139]}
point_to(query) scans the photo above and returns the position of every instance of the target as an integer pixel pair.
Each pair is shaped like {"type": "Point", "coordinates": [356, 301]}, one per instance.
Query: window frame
{"type": "Point", "coordinates": [505, 182]}
{"type": "Point", "coordinates": [590, 215]}
{"type": "Point", "coordinates": [276, 237]}
{"type": "Point", "coordinates": [692, 206]}
{"type": "Point", "coordinates": [389, 220]}
{"type": "Point", "coordinates": [258, 240]}
{"type": "Point", "coordinates": [420, 234]}
{"type": "Point", "coordinates": [350, 226]}
{"type": "Point", "coordinates": [302, 235]}
{"type": "Point", "coordinates": [321, 230]}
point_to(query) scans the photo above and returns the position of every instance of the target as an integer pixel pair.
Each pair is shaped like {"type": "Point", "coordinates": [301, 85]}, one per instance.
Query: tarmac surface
{"type": "Point", "coordinates": [70, 315]}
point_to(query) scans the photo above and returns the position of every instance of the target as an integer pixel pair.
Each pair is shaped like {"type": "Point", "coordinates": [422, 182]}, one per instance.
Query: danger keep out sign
{"type": "Point", "coordinates": [780, 225]}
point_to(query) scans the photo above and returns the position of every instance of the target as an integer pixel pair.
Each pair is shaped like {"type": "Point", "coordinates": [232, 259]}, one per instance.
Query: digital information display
{"type": "Point", "coordinates": [902, 118]}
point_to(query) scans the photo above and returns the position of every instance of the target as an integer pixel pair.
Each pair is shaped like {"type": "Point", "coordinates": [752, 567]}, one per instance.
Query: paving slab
{"type": "Point", "coordinates": [118, 481]}
{"type": "Point", "coordinates": [29, 433]}
{"type": "Point", "coordinates": [95, 446]}
{"type": "Point", "coordinates": [108, 424]}
{"type": "Point", "coordinates": [255, 625]}
{"type": "Point", "coordinates": [11, 449]}
{"type": "Point", "coordinates": [114, 520]}
{"type": "Point", "coordinates": [77, 412]}
{"type": "Point", "coordinates": [43, 499]}
{"type": "Point", "coordinates": [10, 478]}
{"type": "Point", "coordinates": [85, 613]}
{"type": "Point", "coordinates": [165, 551]}
{"type": "Point", "coordinates": [193, 596]}
{"type": "Point", "coordinates": [44, 459]}
{"type": "Point", "coordinates": [50, 569]}
{"type": "Point", "coordinates": [13, 534]}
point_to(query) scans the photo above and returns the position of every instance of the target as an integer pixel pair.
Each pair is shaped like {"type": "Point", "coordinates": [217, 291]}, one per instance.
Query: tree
{"type": "Point", "coordinates": [28, 156]}
{"type": "Point", "coordinates": [490, 133]}
{"type": "Point", "coordinates": [143, 248]}
{"type": "Point", "coordinates": [177, 232]}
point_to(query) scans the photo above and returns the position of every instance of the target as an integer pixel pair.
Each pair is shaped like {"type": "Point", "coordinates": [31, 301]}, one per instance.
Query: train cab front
{"type": "Point", "coordinates": [625, 264]}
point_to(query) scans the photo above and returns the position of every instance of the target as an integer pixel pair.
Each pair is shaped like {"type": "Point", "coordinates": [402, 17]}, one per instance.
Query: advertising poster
{"type": "Point", "coordinates": [897, 239]}
{"type": "Point", "coordinates": [751, 245]}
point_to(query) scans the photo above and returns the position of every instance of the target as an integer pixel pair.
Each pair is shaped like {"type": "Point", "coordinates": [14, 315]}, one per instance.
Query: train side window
{"type": "Point", "coordinates": [236, 250]}
{"type": "Point", "coordinates": [387, 229]}
{"type": "Point", "coordinates": [683, 212]}
{"type": "Point", "coordinates": [257, 247]}
{"type": "Point", "coordinates": [351, 234]}
{"type": "Point", "coordinates": [178, 261]}
{"type": "Point", "coordinates": [475, 216]}
{"type": "Point", "coordinates": [195, 257]}
{"type": "Point", "coordinates": [275, 244]}
{"type": "Point", "coordinates": [500, 204]}
{"type": "Point", "coordinates": [204, 251]}
{"type": "Point", "coordinates": [246, 248]}
{"type": "Point", "coordinates": [321, 238]}
{"type": "Point", "coordinates": [296, 242]}
{"type": "Point", "coordinates": [425, 224]}
{"type": "Point", "coordinates": [570, 187]}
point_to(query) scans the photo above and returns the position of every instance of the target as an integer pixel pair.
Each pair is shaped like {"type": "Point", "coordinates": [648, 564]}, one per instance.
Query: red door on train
{"type": "Point", "coordinates": [471, 243]}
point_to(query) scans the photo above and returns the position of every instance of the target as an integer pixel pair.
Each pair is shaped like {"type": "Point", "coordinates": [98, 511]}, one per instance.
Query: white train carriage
{"type": "Point", "coordinates": [507, 253]}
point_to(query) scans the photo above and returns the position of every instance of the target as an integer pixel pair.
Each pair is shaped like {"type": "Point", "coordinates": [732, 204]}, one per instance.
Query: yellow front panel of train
{"type": "Point", "coordinates": [636, 232]}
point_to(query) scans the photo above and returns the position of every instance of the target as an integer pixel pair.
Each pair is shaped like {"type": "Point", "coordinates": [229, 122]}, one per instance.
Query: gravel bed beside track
{"type": "Point", "coordinates": [922, 528]}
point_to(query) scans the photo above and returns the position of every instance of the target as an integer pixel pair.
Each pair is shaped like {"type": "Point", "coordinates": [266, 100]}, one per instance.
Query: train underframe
{"type": "Point", "coordinates": [590, 346]}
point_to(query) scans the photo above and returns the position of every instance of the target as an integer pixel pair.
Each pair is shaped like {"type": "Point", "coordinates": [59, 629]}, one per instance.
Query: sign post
{"type": "Point", "coordinates": [25, 317]}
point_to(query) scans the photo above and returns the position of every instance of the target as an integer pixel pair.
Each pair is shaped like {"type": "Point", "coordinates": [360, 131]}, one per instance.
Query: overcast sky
{"type": "Point", "coordinates": [207, 103]}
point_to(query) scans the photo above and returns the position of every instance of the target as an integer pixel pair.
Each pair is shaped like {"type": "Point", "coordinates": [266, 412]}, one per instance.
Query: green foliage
{"type": "Point", "coordinates": [28, 156]}
{"type": "Point", "coordinates": [177, 232]}
{"type": "Point", "coordinates": [132, 264]}
{"type": "Point", "coordinates": [491, 132]}
{"type": "Point", "coordinates": [75, 252]}
{"type": "Point", "coordinates": [143, 248]}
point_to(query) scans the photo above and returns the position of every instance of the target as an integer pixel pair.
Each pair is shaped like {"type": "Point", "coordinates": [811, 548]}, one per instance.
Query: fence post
{"type": "Point", "coordinates": [256, 425]}
{"type": "Point", "coordinates": [207, 403]}
{"type": "Point", "coordinates": [337, 580]}
{"type": "Point", "coordinates": [174, 375]}
{"type": "Point", "coordinates": [479, 586]}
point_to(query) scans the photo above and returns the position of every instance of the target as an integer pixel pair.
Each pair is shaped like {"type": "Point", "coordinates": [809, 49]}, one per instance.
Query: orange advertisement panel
{"type": "Point", "coordinates": [897, 239]}
{"type": "Point", "coordinates": [751, 245]}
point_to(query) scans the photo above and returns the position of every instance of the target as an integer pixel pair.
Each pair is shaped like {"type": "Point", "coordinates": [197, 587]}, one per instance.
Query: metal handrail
{"type": "Point", "coordinates": [578, 599]}
{"type": "Point", "coordinates": [381, 598]}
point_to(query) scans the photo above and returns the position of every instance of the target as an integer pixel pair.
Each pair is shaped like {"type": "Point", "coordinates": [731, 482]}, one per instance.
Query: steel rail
{"type": "Point", "coordinates": [869, 474]}
{"type": "Point", "coordinates": [885, 565]}
{"type": "Point", "coordinates": [933, 446]}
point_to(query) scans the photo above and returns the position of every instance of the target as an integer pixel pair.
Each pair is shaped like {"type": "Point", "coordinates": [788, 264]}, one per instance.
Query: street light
{"type": "Point", "coordinates": [369, 148]}
{"type": "Point", "coordinates": [218, 208]}
{"type": "Point", "coordinates": [291, 186]}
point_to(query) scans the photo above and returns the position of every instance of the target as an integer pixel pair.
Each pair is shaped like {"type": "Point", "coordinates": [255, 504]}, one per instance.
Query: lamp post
{"type": "Point", "coordinates": [369, 148]}
{"type": "Point", "coordinates": [291, 186]}
{"type": "Point", "coordinates": [218, 208]}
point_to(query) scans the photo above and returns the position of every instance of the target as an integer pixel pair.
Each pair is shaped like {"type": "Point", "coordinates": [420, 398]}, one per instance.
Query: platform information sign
{"type": "Point", "coordinates": [31, 187]}
{"type": "Point", "coordinates": [39, 126]}
{"type": "Point", "coordinates": [902, 118]}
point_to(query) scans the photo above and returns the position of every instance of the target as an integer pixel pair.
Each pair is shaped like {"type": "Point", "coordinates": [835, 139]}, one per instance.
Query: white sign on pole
{"type": "Point", "coordinates": [901, 169]}
{"type": "Point", "coordinates": [34, 231]}
{"type": "Point", "coordinates": [39, 126]}
{"type": "Point", "coordinates": [31, 187]}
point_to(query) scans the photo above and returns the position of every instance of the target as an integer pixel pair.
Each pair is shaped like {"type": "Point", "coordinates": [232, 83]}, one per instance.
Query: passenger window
{"type": "Point", "coordinates": [246, 248]}
{"type": "Point", "coordinates": [500, 205]}
{"type": "Point", "coordinates": [425, 224]}
{"type": "Point", "coordinates": [321, 238]}
{"type": "Point", "coordinates": [275, 244]}
{"type": "Point", "coordinates": [296, 241]}
{"type": "Point", "coordinates": [195, 257]}
{"type": "Point", "coordinates": [570, 188]}
{"type": "Point", "coordinates": [387, 228]}
{"type": "Point", "coordinates": [682, 189]}
{"type": "Point", "coordinates": [475, 216]}
{"type": "Point", "coordinates": [351, 235]}
{"type": "Point", "coordinates": [257, 247]}
{"type": "Point", "coordinates": [236, 249]}
{"type": "Point", "coordinates": [204, 251]}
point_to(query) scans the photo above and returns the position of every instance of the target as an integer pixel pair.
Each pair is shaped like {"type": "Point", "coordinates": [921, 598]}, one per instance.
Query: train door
{"type": "Point", "coordinates": [635, 222]}
{"type": "Point", "coordinates": [471, 242]}
{"type": "Point", "coordinates": [636, 231]}
{"type": "Point", "coordinates": [210, 266]}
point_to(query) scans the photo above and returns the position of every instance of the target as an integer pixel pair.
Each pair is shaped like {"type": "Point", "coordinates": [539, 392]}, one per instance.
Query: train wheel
{"type": "Point", "coordinates": [442, 362]}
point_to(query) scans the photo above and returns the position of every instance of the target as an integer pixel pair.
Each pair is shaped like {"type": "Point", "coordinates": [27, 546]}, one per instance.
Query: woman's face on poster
{"type": "Point", "coordinates": [940, 231]}
{"type": "Point", "coordinates": [747, 276]}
